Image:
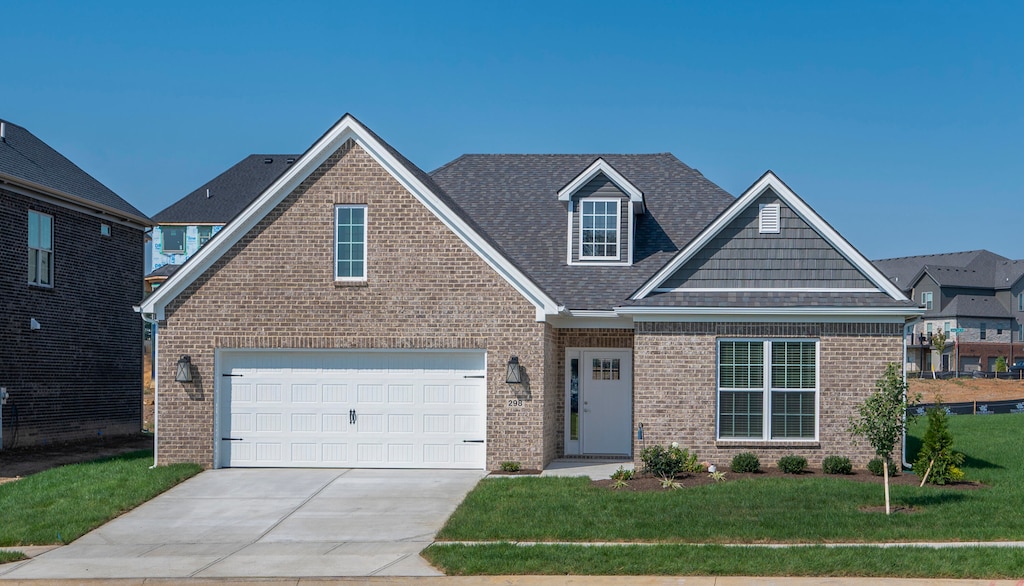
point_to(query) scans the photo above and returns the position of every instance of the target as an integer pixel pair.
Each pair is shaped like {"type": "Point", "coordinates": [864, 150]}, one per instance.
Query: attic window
{"type": "Point", "coordinates": [768, 219]}
{"type": "Point", "coordinates": [599, 230]}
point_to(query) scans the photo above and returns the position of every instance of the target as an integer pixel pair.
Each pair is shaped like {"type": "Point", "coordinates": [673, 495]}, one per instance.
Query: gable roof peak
{"type": "Point", "coordinates": [602, 167]}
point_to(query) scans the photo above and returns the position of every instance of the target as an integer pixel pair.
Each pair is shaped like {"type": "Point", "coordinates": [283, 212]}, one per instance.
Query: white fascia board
{"type": "Point", "coordinates": [754, 314]}
{"type": "Point", "coordinates": [590, 319]}
{"type": "Point", "coordinates": [347, 128]}
{"type": "Point", "coordinates": [597, 167]}
{"type": "Point", "coordinates": [763, 290]}
{"type": "Point", "coordinates": [770, 180]}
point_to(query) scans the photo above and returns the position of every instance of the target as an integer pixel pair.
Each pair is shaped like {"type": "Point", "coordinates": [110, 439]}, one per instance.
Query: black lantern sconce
{"type": "Point", "coordinates": [514, 375]}
{"type": "Point", "coordinates": [183, 374]}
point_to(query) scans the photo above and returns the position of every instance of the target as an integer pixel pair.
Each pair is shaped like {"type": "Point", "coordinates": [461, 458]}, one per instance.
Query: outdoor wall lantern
{"type": "Point", "coordinates": [514, 376]}
{"type": "Point", "coordinates": [184, 372]}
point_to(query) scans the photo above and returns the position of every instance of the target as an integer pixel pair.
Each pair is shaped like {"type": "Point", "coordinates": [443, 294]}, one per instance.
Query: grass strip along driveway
{"type": "Point", "coordinates": [818, 510]}
{"type": "Point", "coordinates": [62, 504]}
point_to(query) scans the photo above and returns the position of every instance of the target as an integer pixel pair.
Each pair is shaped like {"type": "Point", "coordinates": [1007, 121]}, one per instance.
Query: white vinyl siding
{"type": "Point", "coordinates": [40, 249]}
{"type": "Point", "coordinates": [350, 243]}
{"type": "Point", "coordinates": [599, 229]}
{"type": "Point", "coordinates": [779, 406]}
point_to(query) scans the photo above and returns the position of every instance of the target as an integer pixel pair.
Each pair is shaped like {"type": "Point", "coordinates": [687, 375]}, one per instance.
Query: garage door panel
{"type": "Point", "coordinates": [358, 409]}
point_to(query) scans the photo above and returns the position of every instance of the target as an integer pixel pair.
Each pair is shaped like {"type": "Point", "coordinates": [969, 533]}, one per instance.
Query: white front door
{"type": "Point", "coordinates": [606, 389]}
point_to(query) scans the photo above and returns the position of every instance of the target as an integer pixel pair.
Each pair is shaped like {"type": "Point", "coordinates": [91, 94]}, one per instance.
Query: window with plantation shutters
{"type": "Point", "coordinates": [767, 389]}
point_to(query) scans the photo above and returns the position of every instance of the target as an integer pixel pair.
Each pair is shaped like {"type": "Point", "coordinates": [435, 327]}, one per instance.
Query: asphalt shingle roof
{"type": "Point", "coordinates": [979, 269]}
{"type": "Point", "coordinates": [226, 195]}
{"type": "Point", "coordinates": [973, 306]}
{"type": "Point", "coordinates": [24, 157]}
{"type": "Point", "coordinates": [513, 198]}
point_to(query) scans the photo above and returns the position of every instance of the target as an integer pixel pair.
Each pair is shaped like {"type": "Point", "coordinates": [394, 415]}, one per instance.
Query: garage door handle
{"type": "Point", "coordinates": [351, 415]}
{"type": "Point", "coordinates": [231, 439]}
{"type": "Point", "coordinates": [472, 441]}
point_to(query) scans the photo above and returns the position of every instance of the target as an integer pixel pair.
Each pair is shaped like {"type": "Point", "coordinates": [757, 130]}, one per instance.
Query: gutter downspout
{"type": "Point", "coordinates": [156, 378]}
{"type": "Point", "coordinates": [903, 450]}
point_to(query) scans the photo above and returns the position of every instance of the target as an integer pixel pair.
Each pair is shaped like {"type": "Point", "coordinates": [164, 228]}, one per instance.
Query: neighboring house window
{"type": "Point", "coordinates": [779, 406]}
{"type": "Point", "coordinates": [982, 329]}
{"type": "Point", "coordinates": [599, 229]}
{"type": "Point", "coordinates": [945, 328]}
{"type": "Point", "coordinates": [350, 243]}
{"type": "Point", "coordinates": [40, 249]}
{"type": "Point", "coordinates": [926, 299]}
{"type": "Point", "coordinates": [928, 329]}
{"type": "Point", "coordinates": [204, 233]}
{"type": "Point", "coordinates": [1020, 301]}
{"type": "Point", "coordinates": [174, 239]}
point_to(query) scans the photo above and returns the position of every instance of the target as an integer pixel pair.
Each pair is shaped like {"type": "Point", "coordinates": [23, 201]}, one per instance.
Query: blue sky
{"type": "Point", "coordinates": [900, 123]}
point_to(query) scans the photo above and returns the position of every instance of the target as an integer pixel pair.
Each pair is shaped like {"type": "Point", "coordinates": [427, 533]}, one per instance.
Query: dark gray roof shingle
{"type": "Point", "coordinates": [513, 198]}
{"type": "Point", "coordinates": [226, 195]}
{"type": "Point", "coordinates": [969, 269]}
{"type": "Point", "coordinates": [24, 157]}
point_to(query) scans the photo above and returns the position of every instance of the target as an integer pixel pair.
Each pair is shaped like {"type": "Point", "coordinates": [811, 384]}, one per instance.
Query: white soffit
{"type": "Point", "coordinates": [770, 181]}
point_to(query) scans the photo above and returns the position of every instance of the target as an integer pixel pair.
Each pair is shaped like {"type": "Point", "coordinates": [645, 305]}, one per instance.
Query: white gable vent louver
{"type": "Point", "coordinates": [768, 219]}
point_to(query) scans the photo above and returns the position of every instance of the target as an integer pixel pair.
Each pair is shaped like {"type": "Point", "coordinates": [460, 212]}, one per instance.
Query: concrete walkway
{"type": "Point", "coordinates": [274, 523]}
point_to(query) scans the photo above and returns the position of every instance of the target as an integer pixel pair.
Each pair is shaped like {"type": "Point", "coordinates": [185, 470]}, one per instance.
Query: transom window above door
{"type": "Point", "coordinates": [599, 229]}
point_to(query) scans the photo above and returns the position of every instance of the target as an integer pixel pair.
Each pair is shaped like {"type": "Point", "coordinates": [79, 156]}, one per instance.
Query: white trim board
{"type": "Point", "coordinates": [770, 181]}
{"type": "Point", "coordinates": [598, 167]}
{"type": "Point", "coordinates": [346, 128]}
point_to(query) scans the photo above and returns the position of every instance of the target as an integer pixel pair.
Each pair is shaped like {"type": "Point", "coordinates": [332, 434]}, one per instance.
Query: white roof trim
{"type": "Point", "coordinates": [763, 290]}
{"type": "Point", "coordinates": [770, 180]}
{"type": "Point", "coordinates": [802, 310]}
{"type": "Point", "coordinates": [596, 168]}
{"type": "Point", "coordinates": [345, 129]}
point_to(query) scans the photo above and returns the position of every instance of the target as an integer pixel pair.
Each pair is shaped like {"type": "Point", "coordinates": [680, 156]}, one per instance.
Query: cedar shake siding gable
{"type": "Point", "coordinates": [426, 289]}
{"type": "Point", "coordinates": [796, 257]}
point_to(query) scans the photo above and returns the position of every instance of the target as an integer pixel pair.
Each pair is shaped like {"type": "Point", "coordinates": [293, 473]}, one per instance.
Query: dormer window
{"type": "Point", "coordinates": [602, 207]}
{"type": "Point", "coordinates": [599, 230]}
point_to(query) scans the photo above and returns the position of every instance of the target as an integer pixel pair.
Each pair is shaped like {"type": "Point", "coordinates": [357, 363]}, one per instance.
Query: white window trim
{"type": "Point", "coordinates": [53, 238]}
{"type": "Point", "coordinates": [618, 228]}
{"type": "Point", "coordinates": [766, 388]}
{"type": "Point", "coordinates": [334, 239]}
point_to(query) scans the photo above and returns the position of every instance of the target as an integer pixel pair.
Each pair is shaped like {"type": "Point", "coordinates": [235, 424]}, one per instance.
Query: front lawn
{"type": "Point", "coordinates": [819, 509]}
{"type": "Point", "coordinates": [62, 504]}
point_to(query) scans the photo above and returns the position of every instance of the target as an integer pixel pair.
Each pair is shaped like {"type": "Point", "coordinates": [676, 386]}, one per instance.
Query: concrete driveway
{"type": "Point", "coordinates": [269, 523]}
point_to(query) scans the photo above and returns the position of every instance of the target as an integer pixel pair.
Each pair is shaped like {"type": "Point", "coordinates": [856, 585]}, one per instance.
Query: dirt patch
{"type": "Point", "coordinates": [20, 462]}
{"type": "Point", "coordinates": [965, 390]}
{"type": "Point", "coordinates": [895, 510]}
{"type": "Point", "coordinates": [649, 483]}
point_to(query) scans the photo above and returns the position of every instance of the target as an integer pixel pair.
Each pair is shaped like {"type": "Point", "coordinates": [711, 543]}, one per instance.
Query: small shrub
{"type": "Point", "coordinates": [669, 462]}
{"type": "Point", "coordinates": [622, 474]}
{"type": "Point", "coordinates": [792, 464]}
{"type": "Point", "coordinates": [836, 465]}
{"type": "Point", "coordinates": [937, 457]}
{"type": "Point", "coordinates": [717, 476]}
{"type": "Point", "coordinates": [511, 467]}
{"type": "Point", "coordinates": [875, 467]}
{"type": "Point", "coordinates": [745, 462]}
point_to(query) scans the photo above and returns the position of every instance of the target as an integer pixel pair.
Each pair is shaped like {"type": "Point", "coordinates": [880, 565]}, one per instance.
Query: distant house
{"type": "Point", "coordinates": [361, 312]}
{"type": "Point", "coordinates": [189, 223]}
{"type": "Point", "coordinates": [70, 343]}
{"type": "Point", "coordinates": [978, 292]}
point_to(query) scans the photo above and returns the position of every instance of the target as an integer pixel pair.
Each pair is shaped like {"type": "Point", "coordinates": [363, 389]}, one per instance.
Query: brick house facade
{"type": "Point", "coordinates": [70, 343]}
{"type": "Point", "coordinates": [272, 332]}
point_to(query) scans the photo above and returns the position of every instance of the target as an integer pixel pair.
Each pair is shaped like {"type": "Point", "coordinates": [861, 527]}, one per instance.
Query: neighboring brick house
{"type": "Point", "coordinates": [70, 343]}
{"type": "Point", "coordinates": [361, 312]}
{"type": "Point", "coordinates": [189, 223]}
{"type": "Point", "coordinates": [977, 291]}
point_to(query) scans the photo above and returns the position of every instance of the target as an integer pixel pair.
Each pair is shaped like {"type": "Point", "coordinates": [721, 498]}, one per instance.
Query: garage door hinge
{"type": "Point", "coordinates": [473, 376]}
{"type": "Point", "coordinates": [227, 374]}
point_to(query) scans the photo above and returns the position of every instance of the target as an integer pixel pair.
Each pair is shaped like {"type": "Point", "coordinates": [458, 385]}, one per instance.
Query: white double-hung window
{"type": "Point", "coordinates": [767, 389]}
{"type": "Point", "coordinates": [40, 249]}
{"type": "Point", "coordinates": [350, 243]}
{"type": "Point", "coordinates": [599, 229]}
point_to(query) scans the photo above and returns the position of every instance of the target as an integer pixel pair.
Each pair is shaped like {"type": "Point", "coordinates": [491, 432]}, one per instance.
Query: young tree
{"type": "Point", "coordinates": [937, 460]}
{"type": "Point", "coordinates": [883, 418]}
{"type": "Point", "coordinates": [939, 344]}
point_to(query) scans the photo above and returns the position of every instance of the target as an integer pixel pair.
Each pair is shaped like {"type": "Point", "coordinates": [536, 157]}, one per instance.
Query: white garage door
{"type": "Point", "coordinates": [366, 409]}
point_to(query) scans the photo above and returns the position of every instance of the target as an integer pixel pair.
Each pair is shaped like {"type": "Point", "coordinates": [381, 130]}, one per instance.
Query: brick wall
{"type": "Point", "coordinates": [675, 385]}
{"type": "Point", "coordinates": [80, 375]}
{"type": "Point", "coordinates": [275, 288]}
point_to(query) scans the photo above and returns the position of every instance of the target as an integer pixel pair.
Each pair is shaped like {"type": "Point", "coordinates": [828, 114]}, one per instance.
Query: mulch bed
{"type": "Point", "coordinates": [648, 483]}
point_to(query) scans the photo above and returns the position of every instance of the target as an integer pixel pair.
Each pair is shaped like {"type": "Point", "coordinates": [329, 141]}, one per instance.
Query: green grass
{"type": "Point", "coordinates": [10, 556]}
{"type": "Point", "coordinates": [717, 560]}
{"type": "Point", "coordinates": [61, 504]}
{"type": "Point", "coordinates": [816, 510]}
